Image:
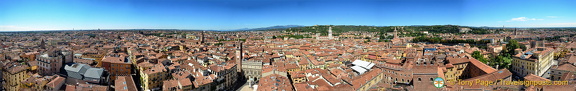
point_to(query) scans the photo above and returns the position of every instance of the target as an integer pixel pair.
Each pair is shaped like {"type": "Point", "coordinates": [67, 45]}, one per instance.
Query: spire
{"type": "Point", "coordinates": [515, 31]}
{"type": "Point", "coordinates": [544, 42]}
{"type": "Point", "coordinates": [202, 39]}
{"type": "Point", "coordinates": [395, 33]}
{"type": "Point", "coordinates": [330, 32]}
{"type": "Point", "coordinates": [42, 44]}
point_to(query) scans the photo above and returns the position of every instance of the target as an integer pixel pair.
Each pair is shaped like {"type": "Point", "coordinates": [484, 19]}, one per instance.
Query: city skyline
{"type": "Point", "coordinates": [29, 15]}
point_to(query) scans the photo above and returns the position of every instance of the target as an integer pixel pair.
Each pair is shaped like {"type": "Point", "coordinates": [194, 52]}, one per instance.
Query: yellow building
{"type": "Point", "coordinates": [373, 77]}
{"type": "Point", "coordinates": [132, 53]}
{"type": "Point", "coordinates": [292, 67]}
{"type": "Point", "coordinates": [14, 73]}
{"type": "Point", "coordinates": [290, 56]}
{"type": "Point", "coordinates": [298, 76]}
{"type": "Point", "coordinates": [37, 82]}
{"type": "Point", "coordinates": [455, 68]}
{"type": "Point", "coordinates": [152, 78]}
{"type": "Point", "coordinates": [533, 61]}
{"type": "Point", "coordinates": [495, 49]}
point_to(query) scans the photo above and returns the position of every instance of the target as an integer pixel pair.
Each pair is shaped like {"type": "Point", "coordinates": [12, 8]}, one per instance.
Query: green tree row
{"type": "Point", "coordinates": [411, 30]}
{"type": "Point", "coordinates": [292, 36]}
{"type": "Point", "coordinates": [440, 40]}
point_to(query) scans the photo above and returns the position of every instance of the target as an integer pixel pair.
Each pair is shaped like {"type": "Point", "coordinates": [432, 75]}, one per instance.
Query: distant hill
{"type": "Point", "coordinates": [280, 27]}
{"type": "Point", "coordinates": [346, 28]}
{"type": "Point", "coordinates": [414, 31]}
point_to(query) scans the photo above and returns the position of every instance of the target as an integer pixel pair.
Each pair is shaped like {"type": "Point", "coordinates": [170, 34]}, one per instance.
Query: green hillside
{"type": "Point", "coordinates": [323, 29]}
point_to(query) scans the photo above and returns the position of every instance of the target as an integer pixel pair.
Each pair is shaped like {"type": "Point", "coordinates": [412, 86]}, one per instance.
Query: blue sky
{"type": "Point", "coordinates": [22, 15]}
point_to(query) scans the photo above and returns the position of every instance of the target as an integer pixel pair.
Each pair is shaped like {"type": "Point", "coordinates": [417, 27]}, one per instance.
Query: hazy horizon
{"type": "Point", "coordinates": [30, 15]}
{"type": "Point", "coordinates": [242, 29]}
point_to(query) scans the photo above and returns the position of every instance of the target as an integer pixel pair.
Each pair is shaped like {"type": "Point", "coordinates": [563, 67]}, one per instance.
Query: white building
{"type": "Point", "coordinates": [329, 37]}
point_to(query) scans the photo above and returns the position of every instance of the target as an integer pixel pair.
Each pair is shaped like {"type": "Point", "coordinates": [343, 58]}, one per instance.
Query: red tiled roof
{"type": "Point", "coordinates": [57, 81]}
{"type": "Point", "coordinates": [532, 77]}
{"type": "Point", "coordinates": [482, 66]}
{"type": "Point", "coordinates": [566, 67]}
{"type": "Point", "coordinates": [125, 83]}
{"type": "Point", "coordinates": [275, 82]}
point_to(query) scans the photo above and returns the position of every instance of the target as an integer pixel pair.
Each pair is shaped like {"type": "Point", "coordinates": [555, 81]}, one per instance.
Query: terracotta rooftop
{"type": "Point", "coordinates": [532, 77]}
{"type": "Point", "coordinates": [570, 87]}
{"type": "Point", "coordinates": [565, 67]}
{"type": "Point", "coordinates": [302, 87]}
{"type": "Point", "coordinates": [482, 66]}
{"type": "Point", "coordinates": [167, 84]}
{"type": "Point", "coordinates": [185, 82]}
{"type": "Point", "coordinates": [393, 61]}
{"type": "Point", "coordinates": [568, 76]}
{"type": "Point", "coordinates": [494, 76]}
{"type": "Point", "coordinates": [155, 69]}
{"type": "Point", "coordinates": [275, 82]}
{"type": "Point", "coordinates": [13, 67]}
{"type": "Point", "coordinates": [54, 83]}
{"type": "Point", "coordinates": [181, 75]}
{"type": "Point", "coordinates": [453, 60]}
{"type": "Point", "coordinates": [125, 83]}
{"type": "Point", "coordinates": [91, 87]}
{"type": "Point", "coordinates": [118, 60]}
{"type": "Point", "coordinates": [363, 79]}
{"type": "Point", "coordinates": [83, 61]}
{"type": "Point", "coordinates": [572, 59]}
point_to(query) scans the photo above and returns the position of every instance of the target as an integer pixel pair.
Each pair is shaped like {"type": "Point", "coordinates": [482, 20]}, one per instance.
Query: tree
{"type": "Point", "coordinates": [477, 55]}
{"type": "Point", "coordinates": [523, 47]}
{"type": "Point", "coordinates": [504, 59]}
{"type": "Point", "coordinates": [510, 47]}
{"type": "Point", "coordinates": [219, 44]}
{"type": "Point", "coordinates": [502, 62]}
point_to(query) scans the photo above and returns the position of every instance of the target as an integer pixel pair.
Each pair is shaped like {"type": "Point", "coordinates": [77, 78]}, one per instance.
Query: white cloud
{"type": "Point", "coordinates": [523, 19]}
{"type": "Point", "coordinates": [562, 24]}
{"type": "Point", "coordinates": [552, 16]}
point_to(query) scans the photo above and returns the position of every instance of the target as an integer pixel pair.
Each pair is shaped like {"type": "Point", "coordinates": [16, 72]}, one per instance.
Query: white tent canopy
{"type": "Point", "coordinates": [362, 66]}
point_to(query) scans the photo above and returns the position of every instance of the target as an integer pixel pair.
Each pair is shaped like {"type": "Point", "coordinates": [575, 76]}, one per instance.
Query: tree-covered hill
{"type": "Point", "coordinates": [323, 29]}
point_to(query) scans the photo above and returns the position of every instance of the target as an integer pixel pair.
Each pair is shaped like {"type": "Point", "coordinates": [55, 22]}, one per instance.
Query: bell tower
{"type": "Point", "coordinates": [395, 33]}
{"type": "Point", "coordinates": [202, 38]}
{"type": "Point", "coordinates": [42, 44]}
{"type": "Point", "coordinates": [238, 57]}
{"type": "Point", "coordinates": [330, 32]}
